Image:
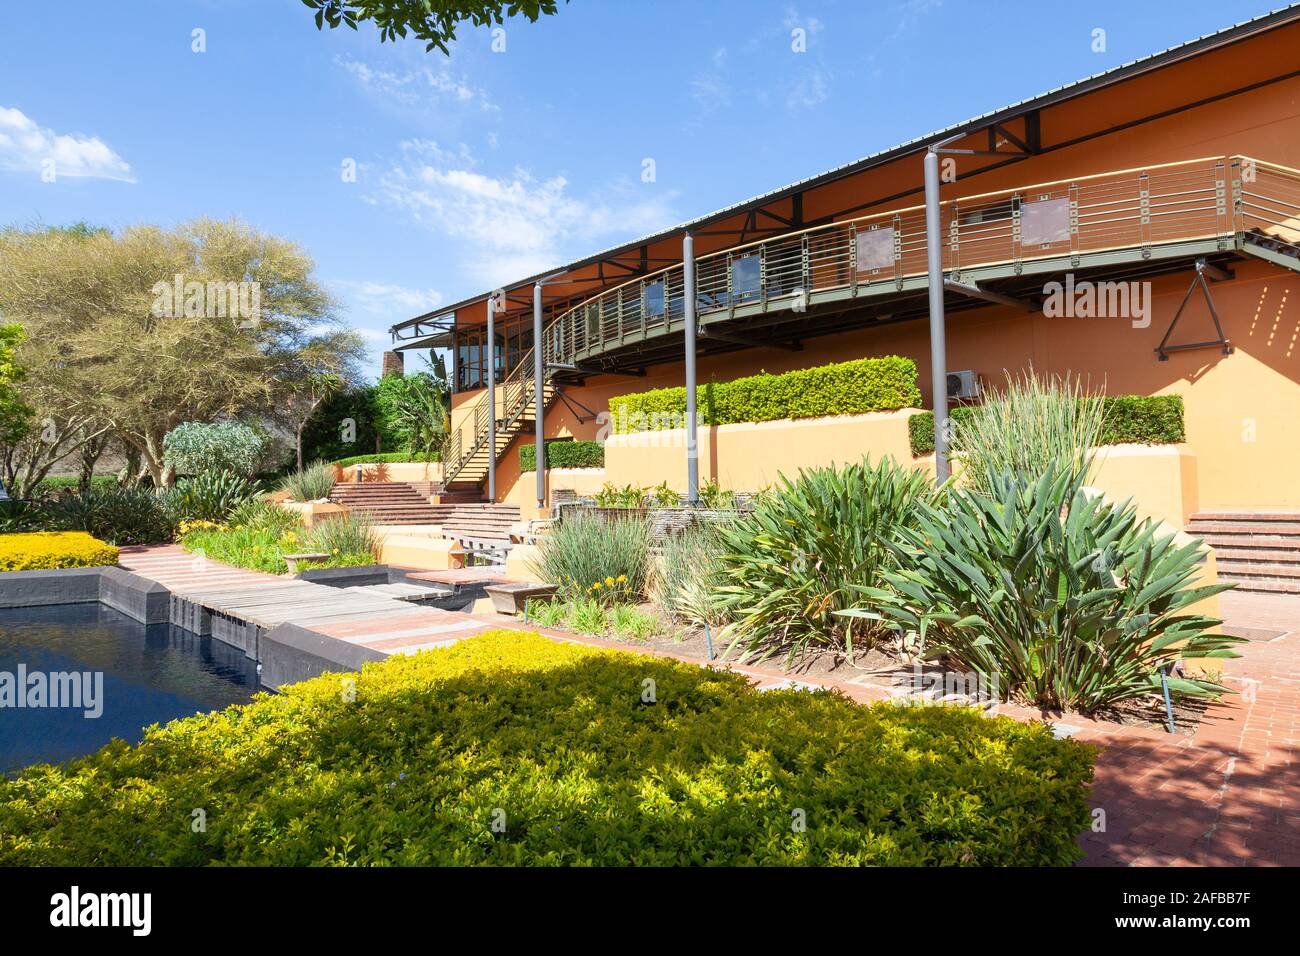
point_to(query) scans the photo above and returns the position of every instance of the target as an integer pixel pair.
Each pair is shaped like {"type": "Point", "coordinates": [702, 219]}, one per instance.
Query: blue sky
{"type": "Point", "coordinates": [487, 166]}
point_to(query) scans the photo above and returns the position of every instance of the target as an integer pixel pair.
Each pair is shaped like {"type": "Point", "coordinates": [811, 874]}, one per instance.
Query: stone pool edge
{"type": "Point", "coordinates": [286, 653]}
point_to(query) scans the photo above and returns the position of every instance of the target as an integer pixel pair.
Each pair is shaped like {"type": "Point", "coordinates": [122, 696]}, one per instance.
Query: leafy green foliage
{"type": "Point", "coordinates": [314, 482]}
{"type": "Point", "coordinates": [805, 549]}
{"type": "Point", "coordinates": [15, 415]}
{"type": "Point", "coordinates": [1053, 597]}
{"type": "Point", "coordinates": [385, 458]}
{"type": "Point", "coordinates": [564, 454]}
{"type": "Point", "coordinates": [689, 576]}
{"type": "Point", "coordinates": [120, 516]}
{"type": "Point", "coordinates": [412, 412]}
{"type": "Point", "coordinates": [197, 448]}
{"type": "Point", "coordinates": [629, 496]}
{"type": "Point", "coordinates": [584, 550]}
{"type": "Point", "coordinates": [210, 496]}
{"type": "Point", "coordinates": [844, 388]}
{"type": "Point", "coordinates": [410, 770]}
{"type": "Point", "coordinates": [1126, 419]}
{"type": "Point", "coordinates": [1033, 423]}
{"type": "Point", "coordinates": [349, 414]}
{"type": "Point", "coordinates": [351, 534]}
{"type": "Point", "coordinates": [434, 23]}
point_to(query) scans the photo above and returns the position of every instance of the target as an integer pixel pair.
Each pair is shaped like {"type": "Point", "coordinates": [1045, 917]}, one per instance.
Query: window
{"type": "Point", "coordinates": [746, 278]}
{"type": "Point", "coordinates": [654, 299]}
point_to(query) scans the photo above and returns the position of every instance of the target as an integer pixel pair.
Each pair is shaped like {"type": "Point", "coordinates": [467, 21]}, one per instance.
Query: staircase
{"type": "Point", "coordinates": [481, 522]}
{"type": "Point", "coordinates": [466, 454]}
{"type": "Point", "coordinates": [1256, 550]}
{"type": "Point", "coordinates": [389, 502]}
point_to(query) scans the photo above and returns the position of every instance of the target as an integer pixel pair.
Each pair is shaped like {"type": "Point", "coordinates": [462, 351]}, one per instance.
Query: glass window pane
{"type": "Point", "coordinates": [746, 277]}
{"type": "Point", "coordinates": [654, 299]}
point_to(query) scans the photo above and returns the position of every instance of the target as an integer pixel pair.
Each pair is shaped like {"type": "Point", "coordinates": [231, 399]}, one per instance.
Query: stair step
{"type": "Point", "coordinates": [1263, 584]}
{"type": "Point", "coordinates": [1258, 555]}
{"type": "Point", "coordinates": [1218, 541]}
{"type": "Point", "coordinates": [1244, 527]}
{"type": "Point", "coordinates": [1246, 516]}
{"type": "Point", "coordinates": [1257, 569]}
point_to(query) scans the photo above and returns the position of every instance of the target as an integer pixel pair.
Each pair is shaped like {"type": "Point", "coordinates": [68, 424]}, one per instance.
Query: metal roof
{"type": "Point", "coordinates": [1231, 34]}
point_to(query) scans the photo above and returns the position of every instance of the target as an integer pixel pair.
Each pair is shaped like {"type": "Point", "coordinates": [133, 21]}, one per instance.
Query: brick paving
{"type": "Point", "coordinates": [1229, 795]}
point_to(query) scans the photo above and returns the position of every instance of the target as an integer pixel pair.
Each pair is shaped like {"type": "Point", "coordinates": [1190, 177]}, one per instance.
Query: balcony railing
{"type": "Point", "coordinates": [1117, 216]}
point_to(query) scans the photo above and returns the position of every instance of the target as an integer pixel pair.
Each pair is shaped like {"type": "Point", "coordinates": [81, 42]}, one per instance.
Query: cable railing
{"type": "Point", "coordinates": [1127, 212]}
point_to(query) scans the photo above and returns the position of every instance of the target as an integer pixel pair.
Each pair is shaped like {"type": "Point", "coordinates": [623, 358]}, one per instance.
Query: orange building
{"type": "Point", "coordinates": [1176, 178]}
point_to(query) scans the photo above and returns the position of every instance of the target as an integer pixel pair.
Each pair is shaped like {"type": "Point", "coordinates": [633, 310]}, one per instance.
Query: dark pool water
{"type": "Point", "coordinates": [149, 675]}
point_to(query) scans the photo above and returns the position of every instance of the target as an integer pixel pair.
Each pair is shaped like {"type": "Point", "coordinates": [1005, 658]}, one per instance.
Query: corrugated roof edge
{"type": "Point", "coordinates": [1272, 19]}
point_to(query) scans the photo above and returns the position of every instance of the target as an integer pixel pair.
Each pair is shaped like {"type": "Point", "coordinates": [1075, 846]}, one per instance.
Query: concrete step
{"type": "Point", "coordinates": [1256, 569]}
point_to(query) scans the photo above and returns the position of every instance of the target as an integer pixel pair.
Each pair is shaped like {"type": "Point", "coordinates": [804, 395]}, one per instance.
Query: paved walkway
{"type": "Point", "coordinates": [1228, 795]}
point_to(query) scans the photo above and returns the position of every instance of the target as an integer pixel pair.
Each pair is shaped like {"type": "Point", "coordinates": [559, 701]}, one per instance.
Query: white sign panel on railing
{"type": "Point", "coordinates": [1045, 222]}
{"type": "Point", "coordinates": [876, 249]}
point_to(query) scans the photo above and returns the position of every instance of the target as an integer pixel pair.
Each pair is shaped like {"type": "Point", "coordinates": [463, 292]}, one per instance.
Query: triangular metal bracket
{"type": "Point", "coordinates": [1198, 281]}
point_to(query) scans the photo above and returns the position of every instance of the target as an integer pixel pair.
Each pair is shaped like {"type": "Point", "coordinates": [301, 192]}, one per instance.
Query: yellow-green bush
{"type": "Point", "coordinates": [38, 550]}
{"type": "Point", "coordinates": [417, 760]}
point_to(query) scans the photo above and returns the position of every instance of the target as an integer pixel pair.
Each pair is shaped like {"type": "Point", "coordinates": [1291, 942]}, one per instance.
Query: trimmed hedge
{"type": "Point", "coordinates": [53, 483]}
{"type": "Point", "coordinates": [43, 550]}
{"type": "Point", "coordinates": [387, 457]}
{"type": "Point", "coordinates": [844, 388]}
{"type": "Point", "coordinates": [1127, 419]}
{"type": "Point", "coordinates": [510, 748]}
{"type": "Point", "coordinates": [564, 454]}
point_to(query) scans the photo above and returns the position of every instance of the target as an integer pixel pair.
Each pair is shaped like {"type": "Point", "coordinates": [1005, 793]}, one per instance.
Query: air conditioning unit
{"type": "Point", "coordinates": [963, 384]}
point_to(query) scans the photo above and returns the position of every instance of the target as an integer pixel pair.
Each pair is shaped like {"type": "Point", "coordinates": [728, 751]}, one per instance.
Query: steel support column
{"type": "Point", "coordinates": [539, 406]}
{"type": "Point", "coordinates": [492, 397]}
{"type": "Point", "coordinates": [688, 335]}
{"type": "Point", "coordinates": [938, 344]}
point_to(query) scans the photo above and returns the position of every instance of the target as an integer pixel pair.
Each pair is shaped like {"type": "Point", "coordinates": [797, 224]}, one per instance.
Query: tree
{"type": "Point", "coordinates": [14, 415]}
{"type": "Point", "coordinates": [138, 332]}
{"type": "Point", "coordinates": [412, 411]}
{"type": "Point", "coordinates": [317, 372]}
{"type": "Point", "coordinates": [433, 21]}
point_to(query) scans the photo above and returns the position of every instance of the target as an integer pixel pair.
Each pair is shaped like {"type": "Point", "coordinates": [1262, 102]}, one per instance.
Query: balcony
{"type": "Point", "coordinates": [1136, 216]}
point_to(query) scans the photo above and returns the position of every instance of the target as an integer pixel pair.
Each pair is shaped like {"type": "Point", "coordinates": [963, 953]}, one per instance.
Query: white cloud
{"type": "Point", "coordinates": [420, 87]}
{"type": "Point", "coordinates": [27, 147]}
{"type": "Point", "coordinates": [387, 299]}
{"type": "Point", "coordinates": [515, 224]}
{"type": "Point", "coordinates": [711, 89]}
{"type": "Point", "coordinates": [810, 88]}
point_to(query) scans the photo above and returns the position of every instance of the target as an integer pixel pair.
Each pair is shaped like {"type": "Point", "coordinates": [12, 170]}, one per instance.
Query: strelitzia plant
{"type": "Point", "coordinates": [1055, 596]}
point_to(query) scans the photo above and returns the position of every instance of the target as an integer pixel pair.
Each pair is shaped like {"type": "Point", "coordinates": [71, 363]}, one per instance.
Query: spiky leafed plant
{"type": "Point", "coordinates": [210, 495]}
{"type": "Point", "coordinates": [312, 483]}
{"type": "Point", "coordinates": [594, 556]}
{"type": "Point", "coordinates": [798, 557]}
{"type": "Point", "coordinates": [688, 576]}
{"type": "Point", "coordinates": [1052, 596]}
{"type": "Point", "coordinates": [1030, 424]}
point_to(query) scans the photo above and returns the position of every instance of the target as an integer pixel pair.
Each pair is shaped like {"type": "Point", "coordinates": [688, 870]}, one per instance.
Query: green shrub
{"type": "Point", "coordinates": [314, 482]}
{"type": "Point", "coordinates": [194, 448]}
{"type": "Point", "coordinates": [1051, 596]}
{"type": "Point", "coordinates": [1033, 423]}
{"type": "Point", "coordinates": [210, 496]}
{"type": "Point", "coordinates": [629, 496]}
{"type": "Point", "coordinates": [19, 515]}
{"type": "Point", "coordinates": [264, 516]}
{"type": "Point", "coordinates": [689, 576]}
{"type": "Point", "coordinates": [55, 483]}
{"type": "Point", "coordinates": [121, 516]}
{"type": "Point", "coordinates": [584, 550]}
{"type": "Point", "coordinates": [350, 534]}
{"type": "Point", "coordinates": [564, 454]}
{"type": "Point", "coordinates": [798, 557]}
{"type": "Point", "coordinates": [845, 388]}
{"type": "Point", "coordinates": [412, 412]}
{"type": "Point", "coordinates": [555, 741]}
{"type": "Point", "coordinates": [387, 458]}
{"type": "Point", "coordinates": [1126, 419]}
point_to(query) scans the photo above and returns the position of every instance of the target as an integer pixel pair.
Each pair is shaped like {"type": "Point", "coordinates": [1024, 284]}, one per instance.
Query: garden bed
{"type": "Point", "coordinates": [512, 749]}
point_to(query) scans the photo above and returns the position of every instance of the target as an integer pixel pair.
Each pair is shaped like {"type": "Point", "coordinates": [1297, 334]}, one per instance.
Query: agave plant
{"type": "Point", "coordinates": [806, 547]}
{"type": "Point", "coordinates": [210, 496]}
{"type": "Point", "coordinates": [1050, 595]}
{"type": "Point", "coordinates": [117, 515]}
